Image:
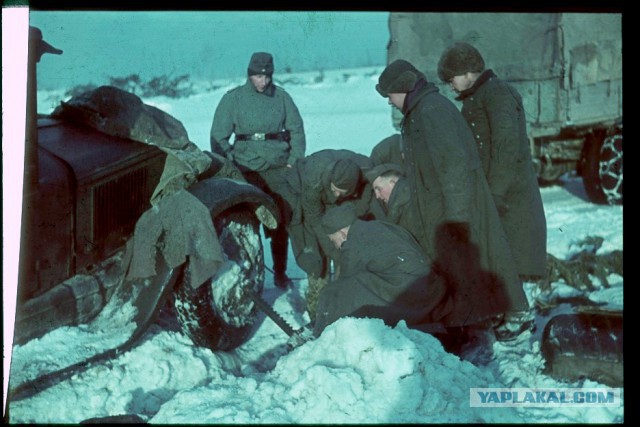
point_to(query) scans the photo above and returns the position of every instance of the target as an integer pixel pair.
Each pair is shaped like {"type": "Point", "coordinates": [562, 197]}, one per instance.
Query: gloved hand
{"type": "Point", "coordinates": [501, 205]}
{"type": "Point", "coordinates": [311, 261]}
{"type": "Point", "coordinates": [457, 231]}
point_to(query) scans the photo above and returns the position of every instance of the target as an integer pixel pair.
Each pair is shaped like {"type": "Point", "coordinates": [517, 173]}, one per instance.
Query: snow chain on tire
{"type": "Point", "coordinates": [611, 168]}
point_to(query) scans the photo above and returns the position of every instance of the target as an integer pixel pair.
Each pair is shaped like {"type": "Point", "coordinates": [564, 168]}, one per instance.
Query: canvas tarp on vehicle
{"type": "Point", "coordinates": [517, 46]}
{"type": "Point", "coordinates": [566, 66]}
{"type": "Point", "coordinates": [179, 225]}
{"type": "Point", "coordinates": [120, 113]}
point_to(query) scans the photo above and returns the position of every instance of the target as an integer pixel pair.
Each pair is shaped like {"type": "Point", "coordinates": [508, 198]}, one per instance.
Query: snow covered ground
{"type": "Point", "coordinates": [359, 370]}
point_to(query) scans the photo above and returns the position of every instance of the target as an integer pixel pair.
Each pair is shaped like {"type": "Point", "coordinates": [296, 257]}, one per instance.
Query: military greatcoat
{"type": "Point", "coordinates": [494, 111]}
{"type": "Point", "coordinates": [309, 196]}
{"type": "Point", "coordinates": [448, 185]}
{"type": "Point", "coordinates": [245, 111]}
{"type": "Point", "coordinates": [383, 274]}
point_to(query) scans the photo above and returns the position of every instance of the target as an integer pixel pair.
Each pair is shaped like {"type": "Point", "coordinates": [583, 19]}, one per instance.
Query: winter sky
{"type": "Point", "coordinates": [205, 44]}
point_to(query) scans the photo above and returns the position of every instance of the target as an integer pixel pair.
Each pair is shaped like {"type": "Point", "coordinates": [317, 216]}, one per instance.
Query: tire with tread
{"type": "Point", "coordinates": [591, 167]}
{"type": "Point", "coordinates": [601, 168]}
{"type": "Point", "coordinates": [218, 314]}
{"type": "Point", "coordinates": [610, 170]}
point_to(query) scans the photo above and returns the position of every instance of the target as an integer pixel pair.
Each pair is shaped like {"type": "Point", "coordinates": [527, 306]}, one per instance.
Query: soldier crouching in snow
{"type": "Point", "coordinates": [383, 274]}
{"type": "Point", "coordinates": [473, 303]}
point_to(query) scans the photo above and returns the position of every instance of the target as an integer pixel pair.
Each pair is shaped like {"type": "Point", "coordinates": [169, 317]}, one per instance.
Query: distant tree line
{"type": "Point", "coordinates": [171, 87]}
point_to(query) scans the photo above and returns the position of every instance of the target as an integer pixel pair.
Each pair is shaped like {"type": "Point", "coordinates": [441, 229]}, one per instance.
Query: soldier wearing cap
{"type": "Point", "coordinates": [268, 139]}
{"type": "Point", "coordinates": [448, 189]}
{"type": "Point", "coordinates": [323, 179]}
{"type": "Point", "coordinates": [495, 114]}
{"type": "Point", "coordinates": [383, 274]}
{"type": "Point", "coordinates": [388, 150]}
{"type": "Point", "coordinates": [494, 111]}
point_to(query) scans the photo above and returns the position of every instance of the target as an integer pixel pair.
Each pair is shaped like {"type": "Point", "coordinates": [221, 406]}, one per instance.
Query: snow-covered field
{"type": "Point", "coordinates": [359, 370]}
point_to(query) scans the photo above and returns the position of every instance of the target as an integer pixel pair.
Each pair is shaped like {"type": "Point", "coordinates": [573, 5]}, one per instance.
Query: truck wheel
{"type": "Point", "coordinates": [591, 168]}
{"type": "Point", "coordinates": [602, 168]}
{"type": "Point", "coordinates": [219, 314]}
{"type": "Point", "coordinates": [611, 168]}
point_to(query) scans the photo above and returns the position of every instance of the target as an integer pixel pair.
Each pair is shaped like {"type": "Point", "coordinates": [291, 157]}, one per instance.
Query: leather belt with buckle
{"type": "Point", "coordinates": [260, 136]}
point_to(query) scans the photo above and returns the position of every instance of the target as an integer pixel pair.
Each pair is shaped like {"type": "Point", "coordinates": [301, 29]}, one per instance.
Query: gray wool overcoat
{"type": "Point", "coordinates": [383, 274]}
{"type": "Point", "coordinates": [309, 196]}
{"type": "Point", "coordinates": [494, 111]}
{"type": "Point", "coordinates": [242, 111]}
{"type": "Point", "coordinates": [448, 185]}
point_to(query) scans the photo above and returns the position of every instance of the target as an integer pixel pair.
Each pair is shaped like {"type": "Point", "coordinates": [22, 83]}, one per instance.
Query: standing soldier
{"type": "Point", "coordinates": [459, 225]}
{"type": "Point", "coordinates": [269, 139]}
{"type": "Point", "coordinates": [495, 113]}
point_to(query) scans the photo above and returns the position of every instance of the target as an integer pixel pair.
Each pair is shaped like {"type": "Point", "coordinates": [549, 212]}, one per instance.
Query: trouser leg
{"type": "Point", "coordinates": [279, 250]}
{"type": "Point", "coordinates": [272, 181]}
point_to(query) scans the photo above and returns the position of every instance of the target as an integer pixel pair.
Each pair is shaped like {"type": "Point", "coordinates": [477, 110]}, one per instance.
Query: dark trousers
{"type": "Point", "coordinates": [271, 182]}
{"type": "Point", "coordinates": [279, 248]}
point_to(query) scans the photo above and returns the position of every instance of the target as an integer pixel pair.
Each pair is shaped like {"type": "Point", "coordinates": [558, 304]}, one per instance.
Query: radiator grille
{"type": "Point", "coordinates": [118, 204]}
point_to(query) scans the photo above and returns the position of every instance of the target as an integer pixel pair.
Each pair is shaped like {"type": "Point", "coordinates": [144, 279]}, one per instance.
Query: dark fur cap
{"type": "Point", "coordinates": [399, 77]}
{"type": "Point", "coordinates": [459, 59]}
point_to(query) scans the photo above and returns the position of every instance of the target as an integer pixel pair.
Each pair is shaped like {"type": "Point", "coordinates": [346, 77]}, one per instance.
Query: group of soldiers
{"type": "Point", "coordinates": [439, 226]}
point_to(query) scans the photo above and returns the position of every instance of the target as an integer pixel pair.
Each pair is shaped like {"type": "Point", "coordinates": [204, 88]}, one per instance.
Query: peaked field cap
{"type": "Point", "coordinates": [261, 63]}
{"type": "Point", "coordinates": [42, 47]}
{"type": "Point", "coordinates": [345, 175]}
{"type": "Point", "coordinates": [399, 77]}
{"type": "Point", "coordinates": [381, 169]}
{"type": "Point", "coordinates": [338, 217]}
{"type": "Point", "coordinates": [459, 59]}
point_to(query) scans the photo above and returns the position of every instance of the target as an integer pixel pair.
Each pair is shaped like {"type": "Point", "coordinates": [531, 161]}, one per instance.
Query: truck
{"type": "Point", "coordinates": [566, 66]}
{"type": "Point", "coordinates": [102, 197]}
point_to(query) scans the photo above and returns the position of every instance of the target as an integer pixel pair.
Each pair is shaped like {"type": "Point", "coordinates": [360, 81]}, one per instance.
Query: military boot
{"type": "Point", "coordinates": [513, 324]}
{"type": "Point", "coordinates": [279, 253]}
{"type": "Point", "coordinates": [313, 292]}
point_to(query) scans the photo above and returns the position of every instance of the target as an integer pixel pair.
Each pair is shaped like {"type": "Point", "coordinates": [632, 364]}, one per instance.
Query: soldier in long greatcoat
{"type": "Point", "coordinates": [460, 227]}
{"type": "Point", "coordinates": [494, 111]}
